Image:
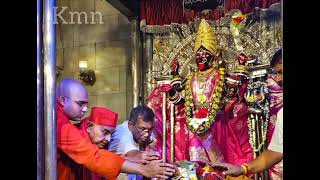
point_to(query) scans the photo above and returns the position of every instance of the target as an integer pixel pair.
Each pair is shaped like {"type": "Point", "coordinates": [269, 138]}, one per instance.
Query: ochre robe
{"type": "Point", "coordinates": [71, 142]}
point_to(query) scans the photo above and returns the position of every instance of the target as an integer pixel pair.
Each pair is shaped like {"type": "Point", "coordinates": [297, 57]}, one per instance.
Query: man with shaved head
{"type": "Point", "coordinates": [74, 149]}
{"type": "Point", "coordinates": [73, 96]}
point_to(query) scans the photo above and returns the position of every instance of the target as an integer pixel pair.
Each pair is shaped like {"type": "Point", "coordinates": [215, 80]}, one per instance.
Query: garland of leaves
{"type": "Point", "coordinates": [214, 106]}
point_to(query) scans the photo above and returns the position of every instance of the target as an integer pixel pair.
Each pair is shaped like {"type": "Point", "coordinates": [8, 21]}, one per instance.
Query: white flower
{"type": "Point", "coordinates": [205, 119]}
{"type": "Point", "coordinates": [194, 123]}
{"type": "Point", "coordinates": [201, 120]}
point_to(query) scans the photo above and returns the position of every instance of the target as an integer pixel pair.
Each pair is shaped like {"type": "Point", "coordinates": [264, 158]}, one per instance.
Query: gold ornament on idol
{"type": "Point", "coordinates": [206, 38]}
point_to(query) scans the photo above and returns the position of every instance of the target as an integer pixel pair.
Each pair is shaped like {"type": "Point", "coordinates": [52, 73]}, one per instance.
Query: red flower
{"type": "Point", "coordinates": [242, 58]}
{"type": "Point", "coordinates": [239, 19]}
{"type": "Point", "coordinates": [201, 113]}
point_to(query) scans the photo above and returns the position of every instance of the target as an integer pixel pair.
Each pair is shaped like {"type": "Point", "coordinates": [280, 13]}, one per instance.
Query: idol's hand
{"type": "Point", "coordinates": [165, 87]}
{"type": "Point", "coordinates": [175, 67]}
{"type": "Point", "coordinates": [229, 169]}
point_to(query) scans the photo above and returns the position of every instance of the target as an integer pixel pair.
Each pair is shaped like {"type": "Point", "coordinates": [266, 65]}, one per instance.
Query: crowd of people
{"type": "Point", "coordinates": [97, 147]}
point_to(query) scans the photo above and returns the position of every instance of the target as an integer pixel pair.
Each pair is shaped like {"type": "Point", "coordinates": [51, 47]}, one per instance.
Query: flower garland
{"type": "Point", "coordinates": [252, 119]}
{"type": "Point", "coordinates": [252, 129]}
{"type": "Point", "coordinates": [201, 125]}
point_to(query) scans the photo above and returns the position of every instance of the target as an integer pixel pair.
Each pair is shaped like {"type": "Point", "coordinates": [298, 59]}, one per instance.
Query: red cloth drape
{"type": "Point", "coordinates": [157, 12]}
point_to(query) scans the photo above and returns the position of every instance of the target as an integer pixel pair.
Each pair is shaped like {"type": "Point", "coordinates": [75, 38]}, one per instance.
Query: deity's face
{"type": "Point", "coordinates": [203, 59]}
{"type": "Point", "coordinates": [100, 134]}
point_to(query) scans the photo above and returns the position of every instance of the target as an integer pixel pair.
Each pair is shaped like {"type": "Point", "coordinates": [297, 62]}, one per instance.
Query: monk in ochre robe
{"type": "Point", "coordinates": [72, 100]}
{"type": "Point", "coordinates": [98, 128]}
{"type": "Point", "coordinates": [75, 150]}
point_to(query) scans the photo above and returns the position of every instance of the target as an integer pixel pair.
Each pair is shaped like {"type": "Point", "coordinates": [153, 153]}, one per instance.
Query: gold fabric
{"type": "Point", "coordinates": [238, 178]}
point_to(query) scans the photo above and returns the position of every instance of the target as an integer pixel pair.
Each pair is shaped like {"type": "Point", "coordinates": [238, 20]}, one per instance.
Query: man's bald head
{"type": "Point", "coordinates": [74, 97]}
{"type": "Point", "coordinates": [70, 87]}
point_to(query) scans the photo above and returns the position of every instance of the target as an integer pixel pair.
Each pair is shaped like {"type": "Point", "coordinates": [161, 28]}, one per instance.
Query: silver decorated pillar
{"type": "Point", "coordinates": [136, 62]}
{"type": "Point", "coordinates": [147, 64]}
{"type": "Point", "coordinates": [49, 68]}
{"type": "Point", "coordinates": [164, 127]}
{"type": "Point", "coordinates": [40, 164]}
{"type": "Point", "coordinates": [258, 103]}
{"type": "Point", "coordinates": [172, 131]}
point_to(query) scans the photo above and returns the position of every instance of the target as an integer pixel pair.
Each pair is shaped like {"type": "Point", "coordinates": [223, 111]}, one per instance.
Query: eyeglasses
{"type": "Point", "coordinates": [141, 130]}
{"type": "Point", "coordinates": [80, 103]}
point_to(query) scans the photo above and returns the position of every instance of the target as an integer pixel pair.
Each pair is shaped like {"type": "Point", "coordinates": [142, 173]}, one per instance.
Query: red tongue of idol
{"type": "Point", "coordinates": [202, 65]}
{"type": "Point", "coordinates": [200, 55]}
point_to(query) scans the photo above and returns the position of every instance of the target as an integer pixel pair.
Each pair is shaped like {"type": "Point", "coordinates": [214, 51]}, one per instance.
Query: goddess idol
{"type": "Point", "coordinates": [200, 127]}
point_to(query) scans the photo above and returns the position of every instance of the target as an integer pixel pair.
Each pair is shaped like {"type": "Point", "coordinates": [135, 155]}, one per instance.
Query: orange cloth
{"type": "Point", "coordinates": [70, 140]}
{"type": "Point", "coordinates": [86, 173]}
{"type": "Point", "coordinates": [68, 169]}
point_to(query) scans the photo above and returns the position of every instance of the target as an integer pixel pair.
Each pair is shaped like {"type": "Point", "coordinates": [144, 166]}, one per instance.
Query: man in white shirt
{"type": "Point", "coordinates": [133, 136]}
{"type": "Point", "coordinates": [276, 143]}
{"type": "Point", "coordinates": [122, 140]}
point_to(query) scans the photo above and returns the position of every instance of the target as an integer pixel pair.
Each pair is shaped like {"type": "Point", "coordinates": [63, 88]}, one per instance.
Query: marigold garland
{"type": "Point", "coordinates": [200, 128]}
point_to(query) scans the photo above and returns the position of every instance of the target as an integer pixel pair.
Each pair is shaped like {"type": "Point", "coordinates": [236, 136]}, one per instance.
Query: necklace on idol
{"type": "Point", "coordinates": [202, 84]}
{"type": "Point", "coordinates": [198, 126]}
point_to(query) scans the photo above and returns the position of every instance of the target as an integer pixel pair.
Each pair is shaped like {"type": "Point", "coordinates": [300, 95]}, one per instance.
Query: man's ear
{"type": "Point", "coordinates": [89, 126]}
{"type": "Point", "coordinates": [62, 99]}
{"type": "Point", "coordinates": [130, 124]}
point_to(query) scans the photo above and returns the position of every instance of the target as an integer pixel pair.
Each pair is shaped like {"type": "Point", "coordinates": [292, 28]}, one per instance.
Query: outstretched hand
{"type": "Point", "coordinates": [148, 156]}
{"type": "Point", "coordinates": [158, 169]}
{"type": "Point", "coordinates": [229, 169]}
{"type": "Point", "coordinates": [142, 157]}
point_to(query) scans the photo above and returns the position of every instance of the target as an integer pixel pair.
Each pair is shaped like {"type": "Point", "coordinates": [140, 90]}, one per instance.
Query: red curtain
{"type": "Point", "coordinates": [160, 12]}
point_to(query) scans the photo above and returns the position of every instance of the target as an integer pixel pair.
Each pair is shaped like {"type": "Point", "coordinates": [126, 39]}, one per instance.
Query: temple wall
{"type": "Point", "coordinates": [106, 47]}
